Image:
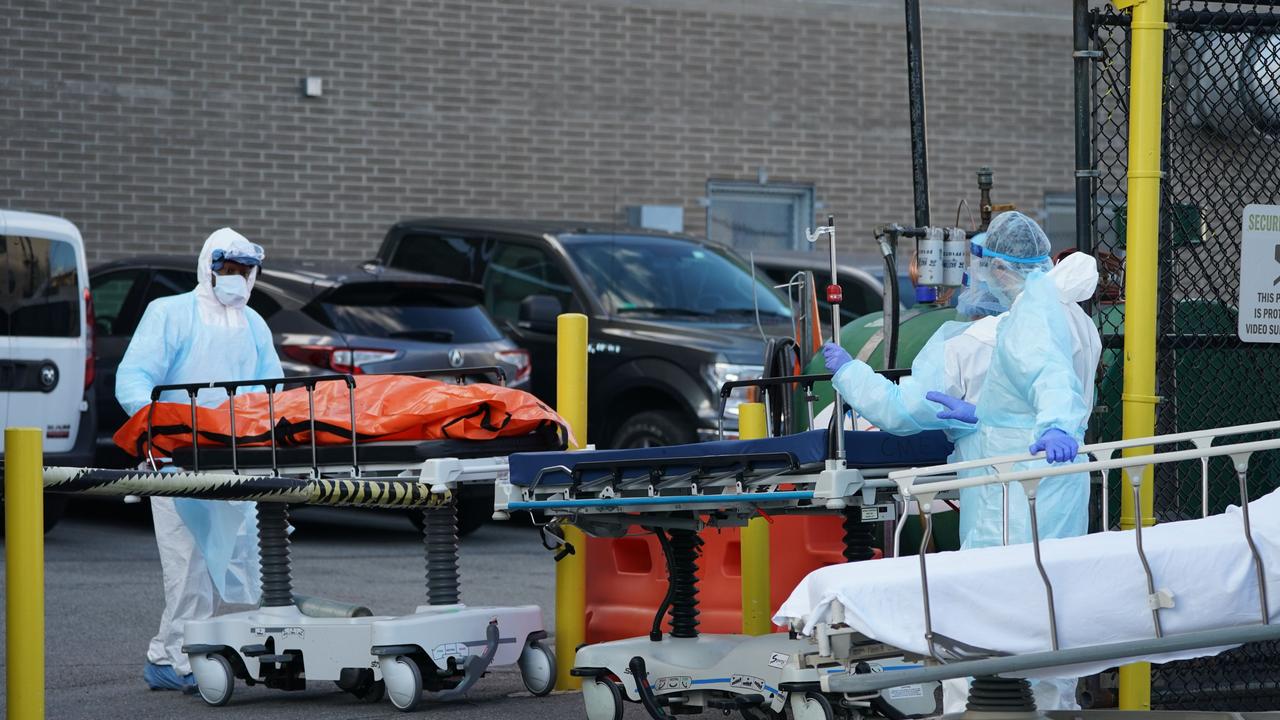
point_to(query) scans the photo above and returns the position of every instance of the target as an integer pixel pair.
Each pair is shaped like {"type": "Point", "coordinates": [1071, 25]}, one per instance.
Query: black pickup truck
{"type": "Point", "coordinates": [671, 318]}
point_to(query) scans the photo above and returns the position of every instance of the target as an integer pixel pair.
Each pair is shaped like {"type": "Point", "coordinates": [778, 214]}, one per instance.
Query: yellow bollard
{"type": "Point", "coordinates": [1146, 112]}
{"type": "Point", "coordinates": [754, 548]}
{"type": "Point", "coordinates": [24, 572]}
{"type": "Point", "coordinates": [571, 572]}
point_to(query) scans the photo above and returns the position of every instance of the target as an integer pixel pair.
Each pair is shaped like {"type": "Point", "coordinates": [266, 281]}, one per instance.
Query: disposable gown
{"type": "Point", "coordinates": [954, 361]}
{"type": "Point", "coordinates": [193, 338]}
{"type": "Point", "coordinates": [1041, 376]}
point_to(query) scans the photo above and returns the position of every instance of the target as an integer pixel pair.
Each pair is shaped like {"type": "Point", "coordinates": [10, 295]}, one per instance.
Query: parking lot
{"type": "Point", "coordinates": [104, 599]}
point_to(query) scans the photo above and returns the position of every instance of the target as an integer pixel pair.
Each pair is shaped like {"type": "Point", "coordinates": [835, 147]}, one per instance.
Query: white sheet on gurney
{"type": "Point", "coordinates": [994, 598]}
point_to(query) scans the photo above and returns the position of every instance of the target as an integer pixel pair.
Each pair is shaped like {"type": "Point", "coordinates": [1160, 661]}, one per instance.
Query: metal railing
{"type": "Point", "coordinates": [271, 387]}
{"type": "Point", "coordinates": [910, 486]}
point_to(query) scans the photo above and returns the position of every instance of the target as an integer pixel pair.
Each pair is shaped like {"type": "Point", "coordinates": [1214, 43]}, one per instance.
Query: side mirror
{"type": "Point", "coordinates": [539, 312]}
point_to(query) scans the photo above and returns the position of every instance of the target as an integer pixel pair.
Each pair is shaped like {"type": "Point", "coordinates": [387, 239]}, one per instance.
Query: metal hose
{"type": "Point", "coordinates": [685, 547]}
{"type": "Point", "coordinates": [273, 551]}
{"type": "Point", "coordinates": [440, 535]}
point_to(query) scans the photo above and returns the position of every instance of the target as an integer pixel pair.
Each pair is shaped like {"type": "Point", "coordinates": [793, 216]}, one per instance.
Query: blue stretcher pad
{"type": "Point", "coordinates": [784, 454]}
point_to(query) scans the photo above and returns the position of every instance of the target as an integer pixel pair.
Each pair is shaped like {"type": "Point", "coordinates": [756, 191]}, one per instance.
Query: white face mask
{"type": "Point", "coordinates": [232, 290]}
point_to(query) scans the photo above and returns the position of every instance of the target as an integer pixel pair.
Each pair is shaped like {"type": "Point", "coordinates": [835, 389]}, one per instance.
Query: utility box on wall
{"type": "Point", "coordinates": [657, 217]}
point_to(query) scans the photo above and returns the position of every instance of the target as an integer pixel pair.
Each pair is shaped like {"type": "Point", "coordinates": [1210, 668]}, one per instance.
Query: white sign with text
{"type": "Point", "coordinates": [1260, 274]}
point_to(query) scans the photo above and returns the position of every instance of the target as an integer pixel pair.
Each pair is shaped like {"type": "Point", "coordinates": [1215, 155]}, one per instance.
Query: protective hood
{"type": "Point", "coordinates": [1076, 277]}
{"type": "Point", "coordinates": [213, 312]}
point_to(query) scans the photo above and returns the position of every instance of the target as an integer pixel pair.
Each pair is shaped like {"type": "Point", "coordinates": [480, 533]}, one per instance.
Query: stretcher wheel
{"type": "Point", "coordinates": [538, 668]}
{"type": "Point", "coordinates": [214, 678]}
{"type": "Point", "coordinates": [811, 706]}
{"type": "Point", "coordinates": [403, 681]}
{"type": "Point", "coordinates": [603, 699]}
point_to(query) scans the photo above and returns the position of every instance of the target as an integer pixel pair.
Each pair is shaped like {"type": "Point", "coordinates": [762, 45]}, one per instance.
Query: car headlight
{"type": "Point", "coordinates": [718, 374]}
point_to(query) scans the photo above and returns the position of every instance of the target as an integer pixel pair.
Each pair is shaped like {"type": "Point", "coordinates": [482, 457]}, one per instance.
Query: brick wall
{"type": "Point", "coordinates": [151, 123]}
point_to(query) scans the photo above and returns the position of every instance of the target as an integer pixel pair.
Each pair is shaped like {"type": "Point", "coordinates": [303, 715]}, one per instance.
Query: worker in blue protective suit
{"type": "Point", "coordinates": [206, 335]}
{"type": "Point", "coordinates": [950, 370]}
{"type": "Point", "coordinates": [996, 367]}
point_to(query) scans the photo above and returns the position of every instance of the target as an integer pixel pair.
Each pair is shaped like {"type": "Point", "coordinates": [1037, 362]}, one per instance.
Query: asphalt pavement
{"type": "Point", "coordinates": [104, 597]}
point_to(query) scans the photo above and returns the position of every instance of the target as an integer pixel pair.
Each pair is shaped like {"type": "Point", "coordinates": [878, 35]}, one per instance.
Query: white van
{"type": "Point", "coordinates": [46, 348]}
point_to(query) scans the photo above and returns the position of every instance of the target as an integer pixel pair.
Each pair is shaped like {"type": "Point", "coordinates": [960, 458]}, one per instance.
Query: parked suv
{"type": "Point", "coordinates": [325, 318]}
{"type": "Point", "coordinates": [46, 351]}
{"type": "Point", "coordinates": [671, 317]}
{"type": "Point", "coordinates": [863, 292]}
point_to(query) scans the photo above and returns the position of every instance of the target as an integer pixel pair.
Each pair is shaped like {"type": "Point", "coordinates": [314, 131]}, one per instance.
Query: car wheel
{"type": "Point", "coordinates": [473, 512]}
{"type": "Point", "coordinates": [654, 428]}
{"type": "Point", "coordinates": [55, 506]}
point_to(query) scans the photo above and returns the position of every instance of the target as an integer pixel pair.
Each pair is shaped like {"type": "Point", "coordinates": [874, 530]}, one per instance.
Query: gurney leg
{"type": "Point", "coordinates": [683, 567]}
{"type": "Point", "coordinates": [440, 536]}
{"type": "Point", "coordinates": [859, 537]}
{"type": "Point", "coordinates": [1003, 698]}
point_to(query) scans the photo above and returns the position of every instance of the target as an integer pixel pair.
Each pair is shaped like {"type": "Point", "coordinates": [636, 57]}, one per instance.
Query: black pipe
{"type": "Point", "coordinates": [1085, 171]}
{"type": "Point", "coordinates": [915, 87]}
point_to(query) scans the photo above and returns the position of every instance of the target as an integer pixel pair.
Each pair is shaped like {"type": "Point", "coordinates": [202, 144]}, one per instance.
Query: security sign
{"type": "Point", "coordinates": [1260, 275]}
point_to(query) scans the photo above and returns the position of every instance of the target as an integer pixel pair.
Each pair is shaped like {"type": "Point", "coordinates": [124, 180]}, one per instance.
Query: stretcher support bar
{"type": "Point", "coordinates": [723, 499]}
{"type": "Point", "coordinates": [1015, 664]}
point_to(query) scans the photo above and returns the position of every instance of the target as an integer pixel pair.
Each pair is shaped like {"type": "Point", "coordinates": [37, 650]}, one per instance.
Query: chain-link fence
{"type": "Point", "coordinates": [1221, 152]}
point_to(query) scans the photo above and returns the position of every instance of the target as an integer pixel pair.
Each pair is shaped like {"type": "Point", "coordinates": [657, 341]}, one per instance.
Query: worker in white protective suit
{"type": "Point", "coordinates": [999, 368]}
{"type": "Point", "coordinates": [206, 335]}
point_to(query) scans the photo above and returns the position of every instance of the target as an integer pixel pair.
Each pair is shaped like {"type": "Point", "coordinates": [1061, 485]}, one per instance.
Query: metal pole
{"type": "Point", "coordinates": [915, 87]}
{"type": "Point", "coordinates": [754, 548]}
{"type": "Point", "coordinates": [1146, 104]}
{"type": "Point", "coordinates": [1085, 172]}
{"type": "Point", "coordinates": [24, 573]}
{"type": "Point", "coordinates": [835, 296]}
{"type": "Point", "coordinates": [571, 571]}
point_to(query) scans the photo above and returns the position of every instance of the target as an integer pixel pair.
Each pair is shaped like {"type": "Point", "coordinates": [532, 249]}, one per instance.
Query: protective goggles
{"type": "Point", "coordinates": [978, 251]}
{"type": "Point", "coordinates": [237, 256]}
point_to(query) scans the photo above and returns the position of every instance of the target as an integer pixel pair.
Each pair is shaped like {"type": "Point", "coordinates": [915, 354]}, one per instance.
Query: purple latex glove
{"type": "Point", "coordinates": [835, 357]}
{"type": "Point", "coordinates": [957, 409]}
{"type": "Point", "coordinates": [1058, 447]}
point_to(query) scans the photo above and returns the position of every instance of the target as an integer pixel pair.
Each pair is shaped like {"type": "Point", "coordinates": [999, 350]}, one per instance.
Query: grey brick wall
{"type": "Point", "coordinates": [149, 123]}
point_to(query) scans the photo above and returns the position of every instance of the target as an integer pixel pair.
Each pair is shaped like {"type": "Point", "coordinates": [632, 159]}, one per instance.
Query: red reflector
{"type": "Point", "coordinates": [92, 337]}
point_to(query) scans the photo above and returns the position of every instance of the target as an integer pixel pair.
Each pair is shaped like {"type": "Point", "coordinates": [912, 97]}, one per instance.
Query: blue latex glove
{"type": "Point", "coordinates": [1058, 447]}
{"type": "Point", "coordinates": [835, 357]}
{"type": "Point", "coordinates": [957, 409]}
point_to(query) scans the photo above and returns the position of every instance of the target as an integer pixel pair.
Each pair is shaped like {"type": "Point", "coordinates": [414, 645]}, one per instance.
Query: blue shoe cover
{"type": "Point", "coordinates": [164, 677]}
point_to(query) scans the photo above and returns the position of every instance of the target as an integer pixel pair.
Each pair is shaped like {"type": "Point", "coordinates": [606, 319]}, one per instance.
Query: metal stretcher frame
{"type": "Point", "coordinates": [910, 485]}
{"type": "Point", "coordinates": [309, 382]}
{"type": "Point", "coordinates": [1104, 451]}
{"type": "Point", "coordinates": [736, 490]}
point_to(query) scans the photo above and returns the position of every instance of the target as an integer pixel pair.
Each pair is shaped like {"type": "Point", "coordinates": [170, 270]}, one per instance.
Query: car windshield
{"type": "Point", "coordinates": [406, 311]}
{"type": "Point", "coordinates": [672, 278]}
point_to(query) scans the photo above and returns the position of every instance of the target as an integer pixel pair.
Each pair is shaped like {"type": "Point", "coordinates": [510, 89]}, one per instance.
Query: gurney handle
{"type": "Point", "coordinates": [1107, 449]}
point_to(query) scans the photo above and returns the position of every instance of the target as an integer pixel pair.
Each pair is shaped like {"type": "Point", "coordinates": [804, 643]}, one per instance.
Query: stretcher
{"type": "Point", "coordinates": [676, 491]}
{"type": "Point", "coordinates": [444, 647]}
{"type": "Point", "coordinates": [1053, 608]}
